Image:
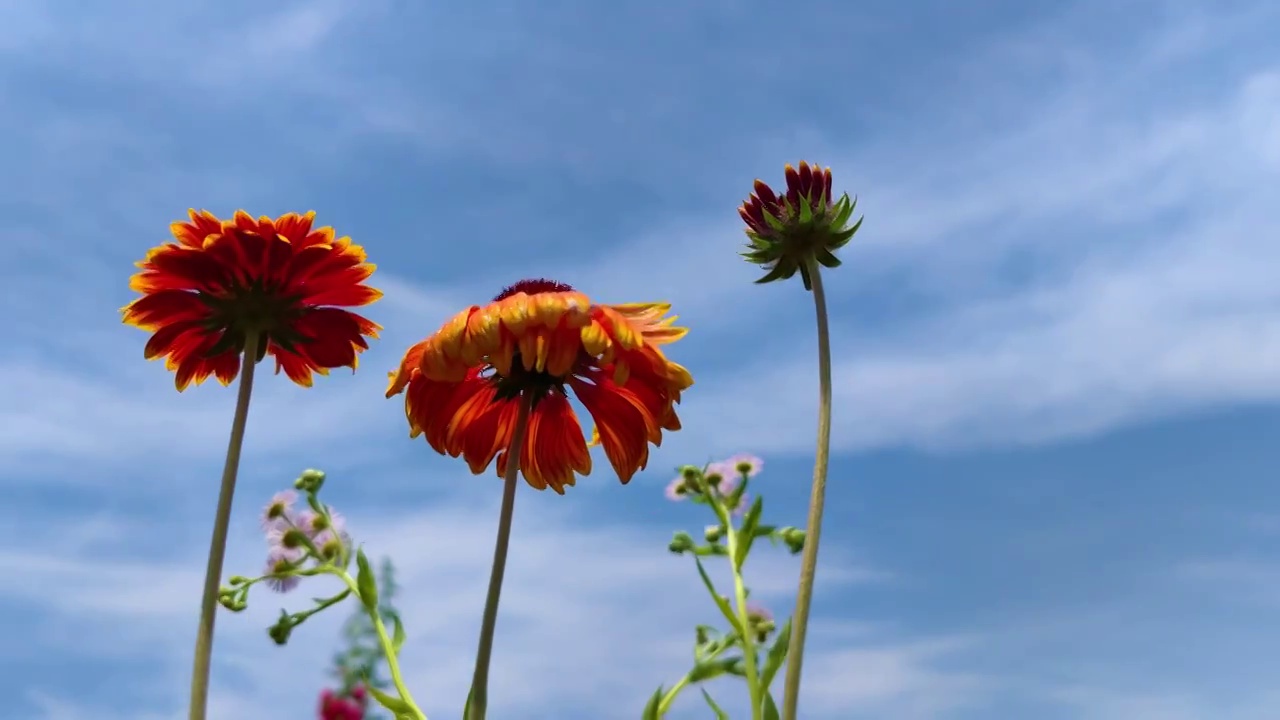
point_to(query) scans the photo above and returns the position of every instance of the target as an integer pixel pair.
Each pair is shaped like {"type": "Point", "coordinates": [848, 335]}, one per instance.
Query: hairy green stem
{"type": "Point", "coordinates": [480, 680]}
{"type": "Point", "coordinates": [218, 542]}
{"type": "Point", "coordinates": [809, 559]}
{"type": "Point", "coordinates": [388, 648]}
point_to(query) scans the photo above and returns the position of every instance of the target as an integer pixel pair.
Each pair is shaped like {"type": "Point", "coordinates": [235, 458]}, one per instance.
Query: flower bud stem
{"type": "Point", "coordinates": [218, 542]}
{"type": "Point", "coordinates": [387, 645]}
{"type": "Point", "coordinates": [480, 681]}
{"type": "Point", "coordinates": [809, 559]}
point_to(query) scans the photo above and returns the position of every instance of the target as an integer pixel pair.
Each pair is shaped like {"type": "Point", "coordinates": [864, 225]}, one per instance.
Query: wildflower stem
{"type": "Point", "coordinates": [388, 648]}
{"type": "Point", "coordinates": [740, 602]}
{"type": "Point", "coordinates": [664, 705]}
{"type": "Point", "coordinates": [809, 559]}
{"type": "Point", "coordinates": [218, 542]}
{"type": "Point", "coordinates": [480, 681]}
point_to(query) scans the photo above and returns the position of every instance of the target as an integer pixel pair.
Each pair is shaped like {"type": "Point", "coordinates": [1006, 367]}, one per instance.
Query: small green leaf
{"type": "Point", "coordinates": [466, 707]}
{"type": "Point", "coordinates": [390, 702]}
{"type": "Point", "coordinates": [721, 602]}
{"type": "Point", "coordinates": [747, 533]}
{"type": "Point", "coordinates": [366, 583]}
{"type": "Point", "coordinates": [770, 707]}
{"type": "Point", "coordinates": [710, 669]}
{"type": "Point", "coordinates": [777, 654]}
{"type": "Point", "coordinates": [651, 708]}
{"type": "Point", "coordinates": [397, 636]}
{"type": "Point", "coordinates": [720, 714]}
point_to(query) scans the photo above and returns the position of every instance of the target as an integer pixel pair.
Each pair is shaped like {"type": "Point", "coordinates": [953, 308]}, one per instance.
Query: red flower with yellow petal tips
{"type": "Point", "coordinates": [537, 340]}
{"type": "Point", "coordinates": [224, 279]}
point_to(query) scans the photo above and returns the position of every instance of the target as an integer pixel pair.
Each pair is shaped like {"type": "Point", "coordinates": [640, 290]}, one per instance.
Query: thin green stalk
{"type": "Point", "coordinates": [748, 642]}
{"type": "Point", "coordinates": [480, 681]}
{"type": "Point", "coordinates": [664, 704]}
{"type": "Point", "coordinates": [388, 650]}
{"type": "Point", "coordinates": [809, 560]}
{"type": "Point", "coordinates": [218, 543]}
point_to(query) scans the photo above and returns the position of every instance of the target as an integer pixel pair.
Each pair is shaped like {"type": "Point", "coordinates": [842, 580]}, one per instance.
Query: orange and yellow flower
{"type": "Point", "coordinates": [534, 342]}
{"type": "Point", "coordinates": [280, 279]}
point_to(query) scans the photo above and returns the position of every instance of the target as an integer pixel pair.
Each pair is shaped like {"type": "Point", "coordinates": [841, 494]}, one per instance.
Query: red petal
{"type": "Point", "coordinates": [554, 451]}
{"type": "Point", "coordinates": [623, 427]}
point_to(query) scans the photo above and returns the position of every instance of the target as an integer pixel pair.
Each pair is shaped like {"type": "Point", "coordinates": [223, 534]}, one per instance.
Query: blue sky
{"type": "Point", "coordinates": [1057, 340]}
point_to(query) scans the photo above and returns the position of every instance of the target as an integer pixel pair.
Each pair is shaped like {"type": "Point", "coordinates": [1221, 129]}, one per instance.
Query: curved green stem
{"type": "Point", "coordinates": [809, 560]}
{"type": "Point", "coordinates": [388, 648]}
{"type": "Point", "coordinates": [479, 701]}
{"type": "Point", "coordinates": [218, 543]}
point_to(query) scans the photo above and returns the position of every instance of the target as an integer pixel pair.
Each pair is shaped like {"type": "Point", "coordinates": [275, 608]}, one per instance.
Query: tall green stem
{"type": "Point", "coordinates": [809, 560]}
{"type": "Point", "coordinates": [479, 700]}
{"type": "Point", "coordinates": [748, 642]}
{"type": "Point", "coordinates": [218, 543]}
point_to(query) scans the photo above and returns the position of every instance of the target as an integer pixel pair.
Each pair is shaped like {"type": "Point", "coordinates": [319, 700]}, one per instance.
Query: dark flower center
{"type": "Point", "coordinates": [253, 308]}
{"type": "Point", "coordinates": [533, 286]}
{"type": "Point", "coordinates": [526, 383]}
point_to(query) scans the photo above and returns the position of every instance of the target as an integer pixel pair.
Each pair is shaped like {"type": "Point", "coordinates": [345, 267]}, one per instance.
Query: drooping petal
{"type": "Point", "coordinates": [554, 451]}
{"type": "Point", "coordinates": [622, 425]}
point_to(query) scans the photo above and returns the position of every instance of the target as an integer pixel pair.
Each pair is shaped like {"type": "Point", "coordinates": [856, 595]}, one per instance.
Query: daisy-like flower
{"type": "Point", "coordinates": [331, 544]}
{"type": "Point", "coordinates": [277, 511]}
{"type": "Point", "coordinates": [745, 464]}
{"type": "Point", "coordinates": [314, 523]}
{"type": "Point", "coordinates": [537, 340]}
{"type": "Point", "coordinates": [288, 540]}
{"type": "Point", "coordinates": [801, 225]}
{"type": "Point", "coordinates": [280, 280]}
{"type": "Point", "coordinates": [280, 566]}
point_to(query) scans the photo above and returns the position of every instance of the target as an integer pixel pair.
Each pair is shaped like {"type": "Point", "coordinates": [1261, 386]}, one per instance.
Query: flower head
{"type": "Point", "coordinates": [677, 490]}
{"type": "Point", "coordinates": [537, 340]}
{"type": "Point", "coordinates": [280, 568]}
{"type": "Point", "coordinates": [314, 523]}
{"type": "Point", "coordinates": [760, 621]}
{"type": "Point", "coordinates": [803, 223]}
{"type": "Point", "coordinates": [744, 464]}
{"type": "Point", "coordinates": [278, 510]}
{"type": "Point", "coordinates": [331, 544]}
{"type": "Point", "coordinates": [223, 280]}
